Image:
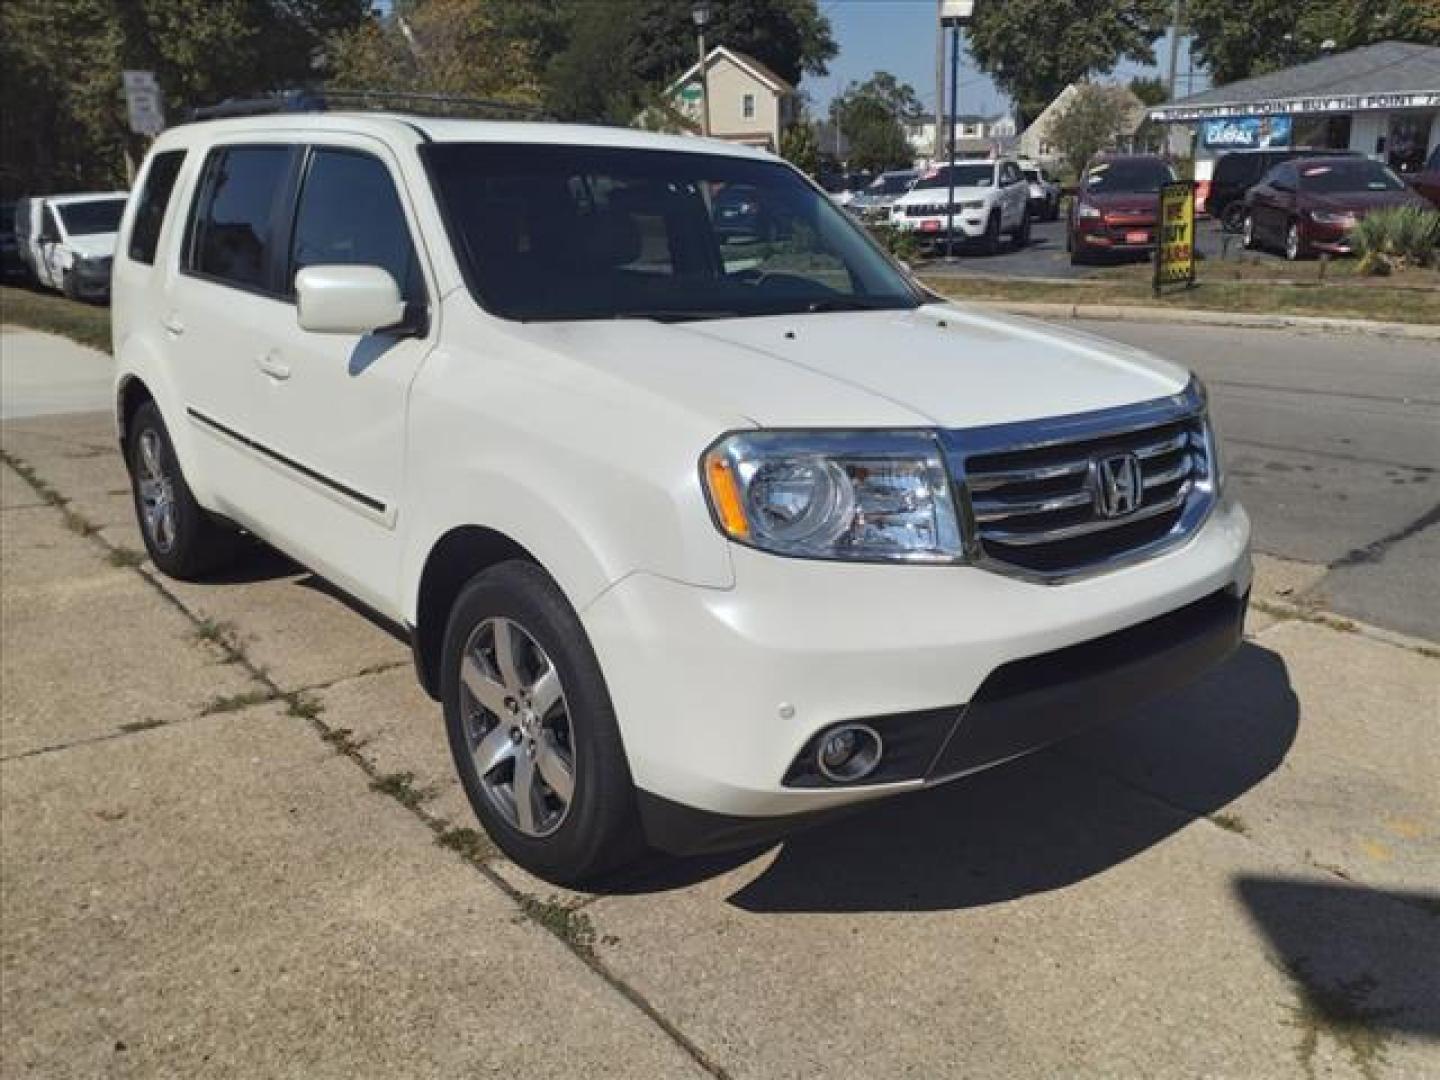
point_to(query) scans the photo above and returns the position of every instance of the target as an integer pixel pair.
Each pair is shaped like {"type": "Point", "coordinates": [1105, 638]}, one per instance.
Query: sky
{"type": "Point", "coordinates": [898, 36]}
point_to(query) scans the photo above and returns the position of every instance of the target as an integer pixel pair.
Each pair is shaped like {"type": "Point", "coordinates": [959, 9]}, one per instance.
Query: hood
{"type": "Point", "coordinates": [1125, 202]}
{"type": "Point", "coordinates": [941, 365]}
{"type": "Point", "coordinates": [1362, 201]}
{"type": "Point", "coordinates": [926, 196]}
{"type": "Point", "coordinates": [92, 245]}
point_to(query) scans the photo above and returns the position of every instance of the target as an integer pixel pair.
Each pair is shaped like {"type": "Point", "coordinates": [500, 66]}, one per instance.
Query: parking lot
{"type": "Point", "coordinates": [232, 843]}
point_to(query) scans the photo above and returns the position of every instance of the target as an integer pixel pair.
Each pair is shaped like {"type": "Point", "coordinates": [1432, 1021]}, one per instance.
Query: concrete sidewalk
{"type": "Point", "coordinates": [41, 374]}
{"type": "Point", "coordinates": [221, 804]}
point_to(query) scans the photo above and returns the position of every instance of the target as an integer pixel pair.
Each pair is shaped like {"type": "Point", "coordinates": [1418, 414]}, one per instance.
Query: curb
{"type": "Point", "coordinates": [1286, 611]}
{"type": "Point", "coordinates": [1193, 317]}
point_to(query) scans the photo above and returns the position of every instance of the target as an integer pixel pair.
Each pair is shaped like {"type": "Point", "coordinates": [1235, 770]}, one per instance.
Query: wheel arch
{"type": "Point", "coordinates": [130, 394]}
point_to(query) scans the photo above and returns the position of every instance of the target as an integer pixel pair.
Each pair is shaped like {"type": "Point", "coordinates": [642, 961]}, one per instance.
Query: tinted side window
{"type": "Point", "coordinates": [350, 214]}
{"type": "Point", "coordinates": [1283, 177]}
{"type": "Point", "coordinates": [236, 223]}
{"type": "Point", "coordinates": [154, 199]}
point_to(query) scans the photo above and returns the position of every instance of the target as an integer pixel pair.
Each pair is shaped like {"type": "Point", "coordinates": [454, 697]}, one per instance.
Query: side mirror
{"type": "Point", "coordinates": [347, 299]}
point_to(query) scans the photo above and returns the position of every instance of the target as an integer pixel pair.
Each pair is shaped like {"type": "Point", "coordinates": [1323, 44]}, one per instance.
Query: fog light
{"type": "Point", "coordinates": [848, 753]}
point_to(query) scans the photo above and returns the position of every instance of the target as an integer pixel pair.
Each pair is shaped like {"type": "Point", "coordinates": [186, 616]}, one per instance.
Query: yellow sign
{"type": "Point", "coordinates": [1175, 249]}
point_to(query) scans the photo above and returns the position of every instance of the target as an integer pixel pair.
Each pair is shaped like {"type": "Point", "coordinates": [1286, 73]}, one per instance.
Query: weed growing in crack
{"type": "Point", "coordinates": [141, 725]}
{"type": "Point", "coordinates": [470, 844]}
{"type": "Point", "coordinates": [1232, 822]}
{"type": "Point", "coordinates": [564, 921]}
{"type": "Point", "coordinates": [400, 786]}
{"type": "Point", "coordinates": [236, 702]}
{"type": "Point", "coordinates": [124, 556]}
{"type": "Point", "coordinates": [1338, 1010]}
{"type": "Point", "coordinates": [303, 706]}
{"type": "Point", "coordinates": [343, 739]}
{"type": "Point", "coordinates": [79, 524]}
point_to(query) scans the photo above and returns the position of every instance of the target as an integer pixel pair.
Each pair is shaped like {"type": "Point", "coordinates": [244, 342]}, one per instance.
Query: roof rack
{"type": "Point", "coordinates": [420, 104]}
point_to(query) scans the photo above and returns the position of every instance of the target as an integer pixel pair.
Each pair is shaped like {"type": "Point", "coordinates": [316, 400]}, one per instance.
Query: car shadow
{"type": "Point", "coordinates": [1364, 962]}
{"type": "Point", "coordinates": [1034, 825]}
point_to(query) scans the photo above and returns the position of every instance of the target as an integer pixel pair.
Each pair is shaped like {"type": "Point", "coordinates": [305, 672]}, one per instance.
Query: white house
{"type": "Point", "coordinates": [975, 136]}
{"type": "Point", "coordinates": [1036, 140]}
{"type": "Point", "coordinates": [749, 103]}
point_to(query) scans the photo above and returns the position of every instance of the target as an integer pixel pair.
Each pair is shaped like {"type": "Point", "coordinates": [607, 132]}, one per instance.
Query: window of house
{"type": "Point", "coordinates": [747, 106]}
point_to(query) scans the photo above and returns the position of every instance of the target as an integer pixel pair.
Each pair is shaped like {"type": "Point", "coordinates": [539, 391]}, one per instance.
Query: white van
{"type": "Point", "coordinates": [67, 241]}
{"type": "Point", "coordinates": [697, 532]}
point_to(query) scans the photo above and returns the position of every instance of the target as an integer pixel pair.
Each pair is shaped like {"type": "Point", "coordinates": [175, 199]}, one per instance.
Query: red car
{"type": "Point", "coordinates": [1427, 182]}
{"type": "Point", "coordinates": [1311, 204]}
{"type": "Point", "coordinates": [1116, 209]}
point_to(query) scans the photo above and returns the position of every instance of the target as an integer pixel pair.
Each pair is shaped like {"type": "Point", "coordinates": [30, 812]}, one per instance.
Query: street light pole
{"type": "Point", "coordinates": [954, 14]}
{"type": "Point", "coordinates": [700, 12]}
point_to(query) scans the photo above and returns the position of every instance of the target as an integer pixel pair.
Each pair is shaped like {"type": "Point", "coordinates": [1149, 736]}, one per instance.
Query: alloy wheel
{"type": "Point", "coordinates": [517, 726]}
{"type": "Point", "coordinates": [157, 492]}
{"type": "Point", "coordinates": [1247, 233]}
{"type": "Point", "coordinates": [1292, 242]}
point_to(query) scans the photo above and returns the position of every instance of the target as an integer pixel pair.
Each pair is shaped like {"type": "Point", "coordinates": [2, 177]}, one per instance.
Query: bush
{"type": "Point", "coordinates": [901, 243]}
{"type": "Point", "coordinates": [1387, 240]}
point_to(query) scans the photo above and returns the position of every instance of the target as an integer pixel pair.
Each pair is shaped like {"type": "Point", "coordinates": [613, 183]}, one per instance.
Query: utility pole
{"type": "Point", "coordinates": [939, 80]}
{"type": "Point", "coordinates": [1175, 19]}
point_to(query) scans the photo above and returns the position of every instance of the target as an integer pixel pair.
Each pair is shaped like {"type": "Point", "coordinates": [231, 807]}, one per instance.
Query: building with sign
{"type": "Point", "coordinates": [1382, 100]}
{"type": "Point", "coordinates": [749, 103]}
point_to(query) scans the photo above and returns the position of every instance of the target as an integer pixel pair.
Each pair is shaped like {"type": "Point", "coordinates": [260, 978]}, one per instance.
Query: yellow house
{"type": "Point", "coordinates": [749, 103]}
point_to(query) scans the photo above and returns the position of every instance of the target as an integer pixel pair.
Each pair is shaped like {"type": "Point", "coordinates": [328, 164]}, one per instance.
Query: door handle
{"type": "Point", "coordinates": [173, 325]}
{"type": "Point", "coordinates": [271, 364]}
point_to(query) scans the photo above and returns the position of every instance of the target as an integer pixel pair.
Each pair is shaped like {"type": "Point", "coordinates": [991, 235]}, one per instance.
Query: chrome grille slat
{"type": "Point", "coordinates": [1029, 490]}
{"type": "Point", "coordinates": [1022, 538]}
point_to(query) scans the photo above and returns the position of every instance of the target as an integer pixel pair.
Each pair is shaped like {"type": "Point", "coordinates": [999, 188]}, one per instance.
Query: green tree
{"type": "Point", "coordinates": [1033, 49]}
{"type": "Point", "coordinates": [1097, 117]}
{"type": "Point", "coordinates": [870, 116]}
{"type": "Point", "coordinates": [1150, 89]}
{"type": "Point", "coordinates": [800, 146]}
{"type": "Point", "coordinates": [463, 48]}
{"type": "Point", "coordinates": [1236, 39]}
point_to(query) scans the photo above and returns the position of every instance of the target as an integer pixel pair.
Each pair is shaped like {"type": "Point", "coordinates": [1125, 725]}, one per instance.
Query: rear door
{"type": "Point", "coordinates": [221, 314]}
{"type": "Point", "coordinates": [334, 405]}
{"type": "Point", "coordinates": [1014, 194]}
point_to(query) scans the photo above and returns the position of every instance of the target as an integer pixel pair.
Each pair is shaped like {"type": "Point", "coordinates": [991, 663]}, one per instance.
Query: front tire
{"type": "Point", "coordinates": [1295, 246]}
{"type": "Point", "coordinates": [182, 539]}
{"type": "Point", "coordinates": [532, 729]}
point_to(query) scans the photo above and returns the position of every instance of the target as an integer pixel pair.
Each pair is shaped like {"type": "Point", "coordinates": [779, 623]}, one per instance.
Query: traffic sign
{"type": "Point", "coordinates": [143, 102]}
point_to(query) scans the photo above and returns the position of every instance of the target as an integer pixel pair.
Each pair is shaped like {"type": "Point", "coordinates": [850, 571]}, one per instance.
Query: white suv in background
{"type": "Point", "coordinates": [696, 532]}
{"type": "Point", "coordinates": [992, 199]}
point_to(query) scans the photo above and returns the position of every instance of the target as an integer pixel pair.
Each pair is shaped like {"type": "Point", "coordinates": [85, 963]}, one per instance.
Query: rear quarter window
{"type": "Point", "coordinates": [154, 201]}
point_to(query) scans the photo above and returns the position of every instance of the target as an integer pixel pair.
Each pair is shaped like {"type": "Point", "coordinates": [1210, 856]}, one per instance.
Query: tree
{"type": "Point", "coordinates": [457, 47]}
{"type": "Point", "coordinates": [1236, 39]}
{"type": "Point", "coordinates": [800, 146]}
{"type": "Point", "coordinates": [1033, 49]}
{"type": "Point", "coordinates": [870, 116]}
{"type": "Point", "coordinates": [1150, 89]}
{"type": "Point", "coordinates": [1097, 117]}
{"type": "Point", "coordinates": [60, 60]}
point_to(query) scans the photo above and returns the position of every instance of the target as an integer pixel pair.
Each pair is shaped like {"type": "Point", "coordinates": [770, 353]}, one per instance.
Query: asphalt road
{"type": "Point", "coordinates": [1045, 255]}
{"type": "Point", "coordinates": [1333, 445]}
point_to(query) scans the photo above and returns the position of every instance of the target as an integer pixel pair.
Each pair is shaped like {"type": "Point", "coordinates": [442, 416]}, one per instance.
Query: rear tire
{"type": "Point", "coordinates": [182, 539]}
{"type": "Point", "coordinates": [532, 729]}
{"type": "Point", "coordinates": [1233, 218]}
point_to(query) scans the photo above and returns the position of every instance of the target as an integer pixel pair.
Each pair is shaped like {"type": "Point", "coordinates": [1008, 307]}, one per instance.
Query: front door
{"type": "Point", "coordinates": [334, 405]}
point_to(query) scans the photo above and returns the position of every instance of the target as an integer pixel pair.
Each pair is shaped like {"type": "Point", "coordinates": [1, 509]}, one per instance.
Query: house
{"type": "Point", "coordinates": [749, 103]}
{"type": "Point", "coordinates": [1036, 142]}
{"type": "Point", "coordinates": [975, 136]}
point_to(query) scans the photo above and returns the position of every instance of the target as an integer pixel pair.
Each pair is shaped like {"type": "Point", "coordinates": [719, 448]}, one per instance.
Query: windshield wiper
{"type": "Point", "coordinates": [847, 303]}
{"type": "Point", "coordinates": [673, 315]}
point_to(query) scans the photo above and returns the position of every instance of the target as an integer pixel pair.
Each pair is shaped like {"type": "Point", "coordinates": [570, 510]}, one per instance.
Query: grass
{"type": "Point", "coordinates": [236, 702]}
{"type": "Point", "coordinates": [89, 324]}
{"type": "Point", "coordinates": [1350, 299]}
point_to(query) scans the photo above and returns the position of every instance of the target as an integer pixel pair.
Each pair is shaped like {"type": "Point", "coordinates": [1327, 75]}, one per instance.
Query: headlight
{"type": "Point", "coordinates": [1085, 210]}
{"type": "Point", "coordinates": [1330, 217]}
{"type": "Point", "coordinates": [971, 204]}
{"type": "Point", "coordinates": [865, 496]}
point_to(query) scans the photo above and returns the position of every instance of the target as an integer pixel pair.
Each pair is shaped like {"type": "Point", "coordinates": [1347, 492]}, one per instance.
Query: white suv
{"type": "Point", "coordinates": [696, 532]}
{"type": "Point", "coordinates": [992, 199]}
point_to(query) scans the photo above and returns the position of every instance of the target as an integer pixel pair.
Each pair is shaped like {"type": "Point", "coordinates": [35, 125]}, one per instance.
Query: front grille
{"type": "Point", "coordinates": [1033, 491]}
{"type": "Point", "coordinates": [933, 209]}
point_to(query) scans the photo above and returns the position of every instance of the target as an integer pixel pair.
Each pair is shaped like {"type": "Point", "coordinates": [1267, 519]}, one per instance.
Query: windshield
{"type": "Point", "coordinates": [1033, 175]}
{"type": "Point", "coordinates": [1331, 177]}
{"type": "Point", "coordinates": [892, 184]}
{"type": "Point", "coordinates": [977, 175]}
{"type": "Point", "coordinates": [1109, 177]}
{"type": "Point", "coordinates": [575, 232]}
{"type": "Point", "coordinates": [89, 218]}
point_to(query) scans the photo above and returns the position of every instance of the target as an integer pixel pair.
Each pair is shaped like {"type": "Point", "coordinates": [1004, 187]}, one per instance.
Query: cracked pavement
{"type": "Point", "coordinates": [1244, 880]}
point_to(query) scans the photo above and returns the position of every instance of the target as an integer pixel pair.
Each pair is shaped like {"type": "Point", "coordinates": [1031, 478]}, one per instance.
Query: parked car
{"type": "Point", "coordinates": [992, 199]}
{"type": "Point", "coordinates": [1117, 207]}
{"type": "Point", "coordinates": [684, 564]}
{"type": "Point", "coordinates": [1044, 191]}
{"type": "Point", "coordinates": [874, 203]}
{"type": "Point", "coordinates": [845, 187]}
{"type": "Point", "coordinates": [1427, 181]}
{"type": "Point", "coordinates": [1306, 206]}
{"type": "Point", "coordinates": [67, 242]}
{"type": "Point", "coordinates": [1237, 172]}
{"type": "Point", "coordinates": [11, 268]}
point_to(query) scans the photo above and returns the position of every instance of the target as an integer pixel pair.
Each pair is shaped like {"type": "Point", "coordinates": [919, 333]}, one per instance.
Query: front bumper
{"type": "Point", "coordinates": [718, 691]}
{"type": "Point", "coordinates": [968, 224]}
{"type": "Point", "coordinates": [1121, 238]}
{"type": "Point", "coordinates": [92, 282]}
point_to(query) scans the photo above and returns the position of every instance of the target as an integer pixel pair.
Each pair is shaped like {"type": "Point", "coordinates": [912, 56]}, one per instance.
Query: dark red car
{"type": "Point", "coordinates": [1427, 181]}
{"type": "Point", "coordinates": [1117, 206]}
{"type": "Point", "coordinates": [1311, 205]}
